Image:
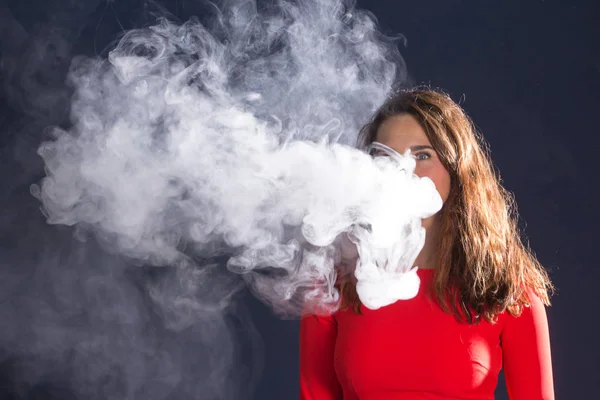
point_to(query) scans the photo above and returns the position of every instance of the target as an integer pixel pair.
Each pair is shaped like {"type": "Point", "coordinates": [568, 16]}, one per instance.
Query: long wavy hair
{"type": "Point", "coordinates": [484, 267]}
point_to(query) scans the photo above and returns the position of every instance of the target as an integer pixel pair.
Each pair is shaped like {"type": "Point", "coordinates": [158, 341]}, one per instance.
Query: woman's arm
{"type": "Point", "coordinates": [318, 380]}
{"type": "Point", "coordinates": [526, 354]}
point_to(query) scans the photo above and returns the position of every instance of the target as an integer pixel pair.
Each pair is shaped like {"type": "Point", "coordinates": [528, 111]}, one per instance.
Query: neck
{"type": "Point", "coordinates": [427, 258]}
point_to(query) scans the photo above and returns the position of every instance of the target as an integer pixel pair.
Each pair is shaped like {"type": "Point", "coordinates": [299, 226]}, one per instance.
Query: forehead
{"type": "Point", "coordinates": [401, 130]}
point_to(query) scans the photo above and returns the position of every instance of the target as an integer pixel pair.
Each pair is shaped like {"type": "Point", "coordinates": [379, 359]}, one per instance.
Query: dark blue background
{"type": "Point", "coordinates": [528, 73]}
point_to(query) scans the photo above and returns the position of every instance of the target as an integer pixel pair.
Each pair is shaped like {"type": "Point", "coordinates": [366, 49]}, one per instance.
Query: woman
{"type": "Point", "coordinates": [480, 306]}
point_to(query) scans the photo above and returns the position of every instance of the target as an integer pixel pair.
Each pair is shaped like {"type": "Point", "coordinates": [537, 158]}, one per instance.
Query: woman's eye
{"type": "Point", "coordinates": [422, 156]}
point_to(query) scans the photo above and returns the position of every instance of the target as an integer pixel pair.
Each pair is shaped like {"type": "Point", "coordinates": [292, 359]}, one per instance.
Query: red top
{"type": "Point", "coordinates": [413, 350]}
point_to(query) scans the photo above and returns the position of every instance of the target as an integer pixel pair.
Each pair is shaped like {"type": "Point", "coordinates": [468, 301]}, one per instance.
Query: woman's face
{"type": "Point", "coordinates": [403, 132]}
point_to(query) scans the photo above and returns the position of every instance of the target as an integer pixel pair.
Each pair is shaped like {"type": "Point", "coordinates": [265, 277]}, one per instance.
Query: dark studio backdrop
{"type": "Point", "coordinates": [527, 72]}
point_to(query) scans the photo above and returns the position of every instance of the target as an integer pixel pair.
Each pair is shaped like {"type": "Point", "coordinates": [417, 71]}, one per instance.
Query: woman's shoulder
{"type": "Point", "coordinates": [530, 314]}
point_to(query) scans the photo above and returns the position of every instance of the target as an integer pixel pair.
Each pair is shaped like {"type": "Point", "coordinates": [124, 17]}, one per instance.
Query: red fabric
{"type": "Point", "coordinates": [412, 350]}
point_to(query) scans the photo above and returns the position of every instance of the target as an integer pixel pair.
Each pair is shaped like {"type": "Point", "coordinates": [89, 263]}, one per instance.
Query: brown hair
{"type": "Point", "coordinates": [481, 254]}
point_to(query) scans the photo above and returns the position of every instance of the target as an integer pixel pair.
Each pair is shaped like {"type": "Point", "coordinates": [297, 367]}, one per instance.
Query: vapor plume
{"type": "Point", "coordinates": [190, 140]}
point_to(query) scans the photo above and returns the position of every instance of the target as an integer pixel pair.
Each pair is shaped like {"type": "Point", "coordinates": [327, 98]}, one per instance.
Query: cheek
{"type": "Point", "coordinates": [439, 176]}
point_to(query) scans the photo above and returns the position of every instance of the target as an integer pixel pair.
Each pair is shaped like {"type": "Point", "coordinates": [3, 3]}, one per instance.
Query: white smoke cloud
{"type": "Point", "coordinates": [194, 140]}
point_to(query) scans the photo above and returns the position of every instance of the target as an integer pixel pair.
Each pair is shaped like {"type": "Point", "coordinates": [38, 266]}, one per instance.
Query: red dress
{"type": "Point", "coordinates": [413, 350]}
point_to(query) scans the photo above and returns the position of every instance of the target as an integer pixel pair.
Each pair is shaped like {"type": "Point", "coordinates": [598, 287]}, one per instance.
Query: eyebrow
{"type": "Point", "coordinates": [420, 147]}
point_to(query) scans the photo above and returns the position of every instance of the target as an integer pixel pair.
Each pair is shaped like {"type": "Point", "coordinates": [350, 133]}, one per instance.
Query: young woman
{"type": "Point", "coordinates": [481, 303]}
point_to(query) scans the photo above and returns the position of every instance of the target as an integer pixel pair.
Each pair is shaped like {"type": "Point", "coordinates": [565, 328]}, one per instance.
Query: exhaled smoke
{"type": "Point", "coordinates": [193, 140]}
